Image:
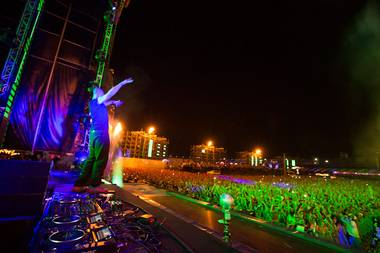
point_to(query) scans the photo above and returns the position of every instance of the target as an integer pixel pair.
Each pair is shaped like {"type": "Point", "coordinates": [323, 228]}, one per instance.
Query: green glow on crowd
{"type": "Point", "coordinates": [299, 203]}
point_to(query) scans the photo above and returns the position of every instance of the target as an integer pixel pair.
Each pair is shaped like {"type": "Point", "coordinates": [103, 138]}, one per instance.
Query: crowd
{"type": "Point", "coordinates": [343, 210]}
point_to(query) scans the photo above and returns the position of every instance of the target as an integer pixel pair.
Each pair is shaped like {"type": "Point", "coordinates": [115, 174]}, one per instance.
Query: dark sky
{"type": "Point", "coordinates": [242, 73]}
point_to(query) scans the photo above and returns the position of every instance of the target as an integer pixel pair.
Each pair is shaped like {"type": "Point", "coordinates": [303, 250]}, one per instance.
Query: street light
{"type": "Point", "coordinates": [210, 145]}
{"type": "Point", "coordinates": [258, 152]}
{"type": "Point", "coordinates": [151, 130]}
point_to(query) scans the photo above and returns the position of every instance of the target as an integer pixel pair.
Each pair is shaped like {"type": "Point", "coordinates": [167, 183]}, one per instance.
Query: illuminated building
{"type": "Point", "coordinates": [141, 144]}
{"type": "Point", "coordinates": [207, 153]}
{"type": "Point", "coordinates": [243, 158]}
{"type": "Point", "coordinates": [251, 158]}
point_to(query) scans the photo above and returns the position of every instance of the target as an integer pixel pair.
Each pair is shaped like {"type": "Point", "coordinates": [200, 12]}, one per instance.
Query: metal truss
{"type": "Point", "coordinates": [16, 60]}
{"type": "Point", "coordinates": [104, 52]}
{"type": "Point", "coordinates": [15, 53]}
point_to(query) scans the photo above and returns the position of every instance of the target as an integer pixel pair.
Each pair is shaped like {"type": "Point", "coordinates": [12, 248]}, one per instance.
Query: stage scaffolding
{"type": "Point", "coordinates": [57, 34]}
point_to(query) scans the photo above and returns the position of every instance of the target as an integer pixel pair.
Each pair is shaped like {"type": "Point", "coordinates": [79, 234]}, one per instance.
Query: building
{"type": "Point", "coordinates": [141, 144]}
{"type": "Point", "coordinates": [178, 163]}
{"type": "Point", "coordinates": [243, 158]}
{"type": "Point", "coordinates": [207, 153]}
{"type": "Point", "coordinates": [251, 158]}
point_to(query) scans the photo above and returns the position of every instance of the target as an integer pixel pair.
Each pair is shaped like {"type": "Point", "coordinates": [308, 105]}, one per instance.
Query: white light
{"type": "Point", "coordinates": [151, 130]}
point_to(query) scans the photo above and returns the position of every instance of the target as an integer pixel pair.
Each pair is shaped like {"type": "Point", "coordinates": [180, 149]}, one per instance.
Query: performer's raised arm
{"type": "Point", "coordinates": [116, 103]}
{"type": "Point", "coordinates": [106, 97]}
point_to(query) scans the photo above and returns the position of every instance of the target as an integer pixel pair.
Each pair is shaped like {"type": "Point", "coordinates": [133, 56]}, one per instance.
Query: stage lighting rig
{"type": "Point", "coordinates": [226, 202]}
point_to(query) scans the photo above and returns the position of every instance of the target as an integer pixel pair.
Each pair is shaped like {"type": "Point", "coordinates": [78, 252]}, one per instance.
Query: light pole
{"type": "Point", "coordinates": [258, 153]}
{"type": "Point", "coordinates": [210, 146]}
{"type": "Point", "coordinates": [151, 130]}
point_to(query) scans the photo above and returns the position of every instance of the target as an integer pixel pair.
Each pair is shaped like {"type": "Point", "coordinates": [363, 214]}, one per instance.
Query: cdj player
{"type": "Point", "coordinates": [96, 223]}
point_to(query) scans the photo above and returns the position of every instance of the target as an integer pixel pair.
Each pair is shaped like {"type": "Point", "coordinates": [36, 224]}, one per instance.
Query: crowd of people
{"type": "Point", "coordinates": [342, 210]}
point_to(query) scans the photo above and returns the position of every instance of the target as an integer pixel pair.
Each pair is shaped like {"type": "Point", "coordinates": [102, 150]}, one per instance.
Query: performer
{"type": "Point", "coordinates": [99, 144]}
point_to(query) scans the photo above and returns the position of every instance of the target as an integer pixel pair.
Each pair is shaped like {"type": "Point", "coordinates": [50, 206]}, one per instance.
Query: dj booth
{"type": "Point", "coordinates": [98, 223]}
{"type": "Point", "coordinates": [39, 213]}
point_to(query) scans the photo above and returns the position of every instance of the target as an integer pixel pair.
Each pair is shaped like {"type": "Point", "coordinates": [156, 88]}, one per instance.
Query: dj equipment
{"type": "Point", "coordinates": [95, 223]}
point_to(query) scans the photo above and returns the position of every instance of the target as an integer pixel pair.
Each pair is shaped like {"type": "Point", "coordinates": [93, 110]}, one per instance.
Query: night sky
{"type": "Point", "coordinates": [243, 73]}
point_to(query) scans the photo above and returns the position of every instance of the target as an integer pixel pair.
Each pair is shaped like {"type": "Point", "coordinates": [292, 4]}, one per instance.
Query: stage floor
{"type": "Point", "coordinates": [258, 237]}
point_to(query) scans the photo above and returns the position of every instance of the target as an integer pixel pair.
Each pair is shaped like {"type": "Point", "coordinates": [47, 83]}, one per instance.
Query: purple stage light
{"type": "Point", "coordinates": [283, 185]}
{"type": "Point", "coordinates": [237, 180]}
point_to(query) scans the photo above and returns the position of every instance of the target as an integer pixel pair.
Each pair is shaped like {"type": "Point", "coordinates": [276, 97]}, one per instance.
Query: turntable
{"type": "Point", "coordinates": [66, 220]}
{"type": "Point", "coordinates": [67, 237]}
{"type": "Point", "coordinates": [83, 223]}
{"type": "Point", "coordinates": [68, 201]}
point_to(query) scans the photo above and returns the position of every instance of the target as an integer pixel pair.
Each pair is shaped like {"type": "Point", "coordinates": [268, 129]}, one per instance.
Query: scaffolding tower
{"type": "Point", "coordinates": [111, 18]}
{"type": "Point", "coordinates": [18, 55]}
{"type": "Point", "coordinates": [15, 62]}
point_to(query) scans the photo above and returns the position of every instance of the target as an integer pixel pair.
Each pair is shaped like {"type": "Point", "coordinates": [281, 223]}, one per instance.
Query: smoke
{"type": "Point", "coordinates": [117, 169]}
{"type": "Point", "coordinates": [363, 61]}
{"type": "Point", "coordinates": [133, 94]}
